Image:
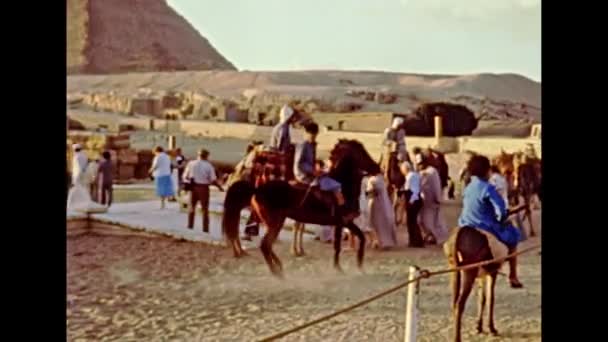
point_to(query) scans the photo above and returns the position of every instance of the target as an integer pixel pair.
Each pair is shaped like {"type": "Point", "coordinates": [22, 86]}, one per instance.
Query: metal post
{"type": "Point", "coordinates": [411, 310]}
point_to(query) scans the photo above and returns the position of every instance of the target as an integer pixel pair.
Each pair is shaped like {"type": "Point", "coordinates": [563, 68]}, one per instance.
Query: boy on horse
{"type": "Point", "coordinates": [305, 170]}
{"type": "Point", "coordinates": [484, 208]}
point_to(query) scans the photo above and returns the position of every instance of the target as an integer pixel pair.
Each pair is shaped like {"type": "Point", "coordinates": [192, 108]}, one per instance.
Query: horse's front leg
{"type": "Point", "coordinates": [294, 241]}
{"type": "Point", "coordinates": [301, 239]}
{"type": "Point", "coordinates": [490, 288]}
{"type": "Point", "coordinates": [481, 304]}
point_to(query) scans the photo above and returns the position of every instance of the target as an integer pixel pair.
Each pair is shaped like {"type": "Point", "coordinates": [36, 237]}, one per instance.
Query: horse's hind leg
{"type": "Point", "coordinates": [361, 251]}
{"type": "Point", "coordinates": [490, 288]}
{"type": "Point", "coordinates": [301, 239]}
{"type": "Point", "coordinates": [271, 258]}
{"type": "Point", "coordinates": [481, 304]}
{"type": "Point", "coordinates": [337, 247]}
{"type": "Point", "coordinates": [468, 280]}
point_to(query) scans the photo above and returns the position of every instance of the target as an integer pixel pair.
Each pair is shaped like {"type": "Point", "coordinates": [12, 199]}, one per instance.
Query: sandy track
{"type": "Point", "coordinates": [139, 289]}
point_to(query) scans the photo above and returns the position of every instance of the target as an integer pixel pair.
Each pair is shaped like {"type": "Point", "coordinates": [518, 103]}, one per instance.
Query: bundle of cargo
{"type": "Point", "coordinates": [144, 162]}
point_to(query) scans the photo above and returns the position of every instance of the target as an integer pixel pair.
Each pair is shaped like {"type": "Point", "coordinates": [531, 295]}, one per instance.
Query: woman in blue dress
{"type": "Point", "coordinates": [484, 208]}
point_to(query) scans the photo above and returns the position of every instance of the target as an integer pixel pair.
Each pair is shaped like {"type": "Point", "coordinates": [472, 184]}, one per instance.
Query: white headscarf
{"type": "Point", "coordinates": [285, 114]}
{"type": "Point", "coordinates": [397, 122]}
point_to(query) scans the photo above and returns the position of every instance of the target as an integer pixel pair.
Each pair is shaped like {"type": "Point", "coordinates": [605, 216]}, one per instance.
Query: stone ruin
{"type": "Point", "coordinates": [128, 163]}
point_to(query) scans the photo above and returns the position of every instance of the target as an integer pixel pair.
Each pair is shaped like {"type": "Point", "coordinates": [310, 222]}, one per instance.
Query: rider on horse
{"type": "Point", "coordinates": [484, 208]}
{"type": "Point", "coordinates": [280, 138]}
{"type": "Point", "coordinates": [305, 170]}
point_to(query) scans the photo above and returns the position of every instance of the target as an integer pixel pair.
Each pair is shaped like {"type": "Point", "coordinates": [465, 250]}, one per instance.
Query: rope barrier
{"type": "Point", "coordinates": [423, 275]}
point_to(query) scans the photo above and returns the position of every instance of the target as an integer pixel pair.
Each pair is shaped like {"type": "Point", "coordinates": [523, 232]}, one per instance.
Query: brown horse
{"type": "Point", "coordinates": [276, 200]}
{"type": "Point", "coordinates": [523, 180]}
{"type": "Point", "coordinates": [468, 246]}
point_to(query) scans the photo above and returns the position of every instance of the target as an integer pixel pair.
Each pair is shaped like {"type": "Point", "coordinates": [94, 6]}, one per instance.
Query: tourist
{"type": "Point", "coordinates": [413, 204]}
{"type": "Point", "coordinates": [464, 175]}
{"type": "Point", "coordinates": [430, 215]}
{"type": "Point", "coordinates": [499, 182]}
{"type": "Point", "coordinates": [381, 214]}
{"type": "Point", "coordinates": [104, 180]}
{"type": "Point", "coordinates": [79, 165]}
{"type": "Point", "coordinates": [180, 165]}
{"type": "Point", "coordinates": [91, 176]}
{"type": "Point", "coordinates": [484, 208]}
{"type": "Point", "coordinates": [200, 174]}
{"type": "Point", "coordinates": [161, 171]}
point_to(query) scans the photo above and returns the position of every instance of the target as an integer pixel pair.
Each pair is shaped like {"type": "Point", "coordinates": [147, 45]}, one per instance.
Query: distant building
{"type": "Point", "coordinates": [355, 122]}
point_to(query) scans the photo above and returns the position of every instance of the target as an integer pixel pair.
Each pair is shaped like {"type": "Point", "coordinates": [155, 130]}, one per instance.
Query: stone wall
{"type": "Point", "coordinates": [327, 139]}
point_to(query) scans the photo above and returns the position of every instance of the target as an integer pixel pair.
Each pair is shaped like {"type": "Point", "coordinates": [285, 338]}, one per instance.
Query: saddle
{"type": "Point", "coordinates": [497, 248]}
{"type": "Point", "coordinates": [327, 198]}
{"type": "Point", "coordinates": [275, 165]}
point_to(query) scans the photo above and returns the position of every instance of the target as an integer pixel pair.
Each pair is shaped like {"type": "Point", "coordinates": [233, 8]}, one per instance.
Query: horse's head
{"type": "Point", "coordinates": [349, 162]}
{"type": "Point", "coordinates": [351, 154]}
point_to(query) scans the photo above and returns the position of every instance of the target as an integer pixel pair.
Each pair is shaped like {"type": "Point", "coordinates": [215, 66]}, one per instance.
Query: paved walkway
{"type": "Point", "coordinates": [148, 216]}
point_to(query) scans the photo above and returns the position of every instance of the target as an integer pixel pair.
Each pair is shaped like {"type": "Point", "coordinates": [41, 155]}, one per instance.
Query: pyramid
{"type": "Point", "coordinates": [118, 36]}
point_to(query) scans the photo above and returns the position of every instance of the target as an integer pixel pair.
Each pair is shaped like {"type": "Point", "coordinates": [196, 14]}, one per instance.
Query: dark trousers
{"type": "Point", "coordinates": [104, 193]}
{"type": "Point", "coordinates": [200, 193]}
{"type": "Point", "coordinates": [413, 230]}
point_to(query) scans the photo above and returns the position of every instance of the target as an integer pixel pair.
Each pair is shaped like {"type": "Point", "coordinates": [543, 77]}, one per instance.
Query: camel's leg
{"type": "Point", "coordinates": [490, 288]}
{"type": "Point", "coordinates": [528, 213]}
{"type": "Point", "coordinates": [481, 304]}
{"type": "Point", "coordinates": [467, 285]}
{"type": "Point", "coordinates": [337, 247]}
{"type": "Point", "coordinates": [359, 234]}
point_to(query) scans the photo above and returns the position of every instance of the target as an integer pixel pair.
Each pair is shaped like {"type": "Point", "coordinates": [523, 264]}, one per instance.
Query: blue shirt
{"type": "Point", "coordinates": [484, 208]}
{"type": "Point", "coordinates": [304, 162]}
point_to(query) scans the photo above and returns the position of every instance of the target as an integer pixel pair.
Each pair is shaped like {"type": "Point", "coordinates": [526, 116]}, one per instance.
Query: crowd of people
{"type": "Point", "coordinates": [485, 194]}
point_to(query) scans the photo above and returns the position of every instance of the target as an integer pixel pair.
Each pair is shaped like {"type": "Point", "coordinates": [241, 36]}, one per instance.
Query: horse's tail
{"type": "Point", "coordinates": [453, 261]}
{"type": "Point", "coordinates": [238, 197]}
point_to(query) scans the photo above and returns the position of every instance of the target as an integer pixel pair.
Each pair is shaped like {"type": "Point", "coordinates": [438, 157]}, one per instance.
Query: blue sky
{"type": "Point", "coordinates": [417, 36]}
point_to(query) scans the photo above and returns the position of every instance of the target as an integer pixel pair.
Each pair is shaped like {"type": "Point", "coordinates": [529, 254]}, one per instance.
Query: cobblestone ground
{"type": "Point", "coordinates": [144, 289]}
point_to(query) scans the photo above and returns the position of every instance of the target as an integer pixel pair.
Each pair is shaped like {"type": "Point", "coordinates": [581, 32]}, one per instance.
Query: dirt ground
{"type": "Point", "coordinates": [158, 289]}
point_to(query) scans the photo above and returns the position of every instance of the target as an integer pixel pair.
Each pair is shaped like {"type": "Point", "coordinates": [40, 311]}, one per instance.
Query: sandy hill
{"type": "Point", "coordinates": [114, 36]}
{"type": "Point", "coordinates": [502, 96]}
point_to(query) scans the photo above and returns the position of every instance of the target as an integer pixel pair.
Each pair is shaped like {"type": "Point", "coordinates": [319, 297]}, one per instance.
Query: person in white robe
{"type": "Point", "coordinates": [381, 215]}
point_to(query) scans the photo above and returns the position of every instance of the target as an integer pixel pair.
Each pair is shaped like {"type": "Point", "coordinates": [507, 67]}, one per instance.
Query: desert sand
{"type": "Point", "coordinates": [163, 290]}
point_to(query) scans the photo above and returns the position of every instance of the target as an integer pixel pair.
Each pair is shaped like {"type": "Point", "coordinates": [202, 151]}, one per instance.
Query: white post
{"type": "Point", "coordinates": [411, 310]}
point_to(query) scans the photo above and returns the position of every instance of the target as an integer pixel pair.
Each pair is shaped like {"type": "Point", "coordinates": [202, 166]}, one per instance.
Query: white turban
{"type": "Point", "coordinates": [76, 147]}
{"type": "Point", "coordinates": [398, 121]}
{"type": "Point", "coordinates": [285, 114]}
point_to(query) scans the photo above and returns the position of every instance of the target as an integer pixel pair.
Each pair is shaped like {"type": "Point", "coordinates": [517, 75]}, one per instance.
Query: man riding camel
{"type": "Point", "coordinates": [394, 141]}
{"type": "Point", "coordinates": [305, 170]}
{"type": "Point", "coordinates": [280, 138]}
